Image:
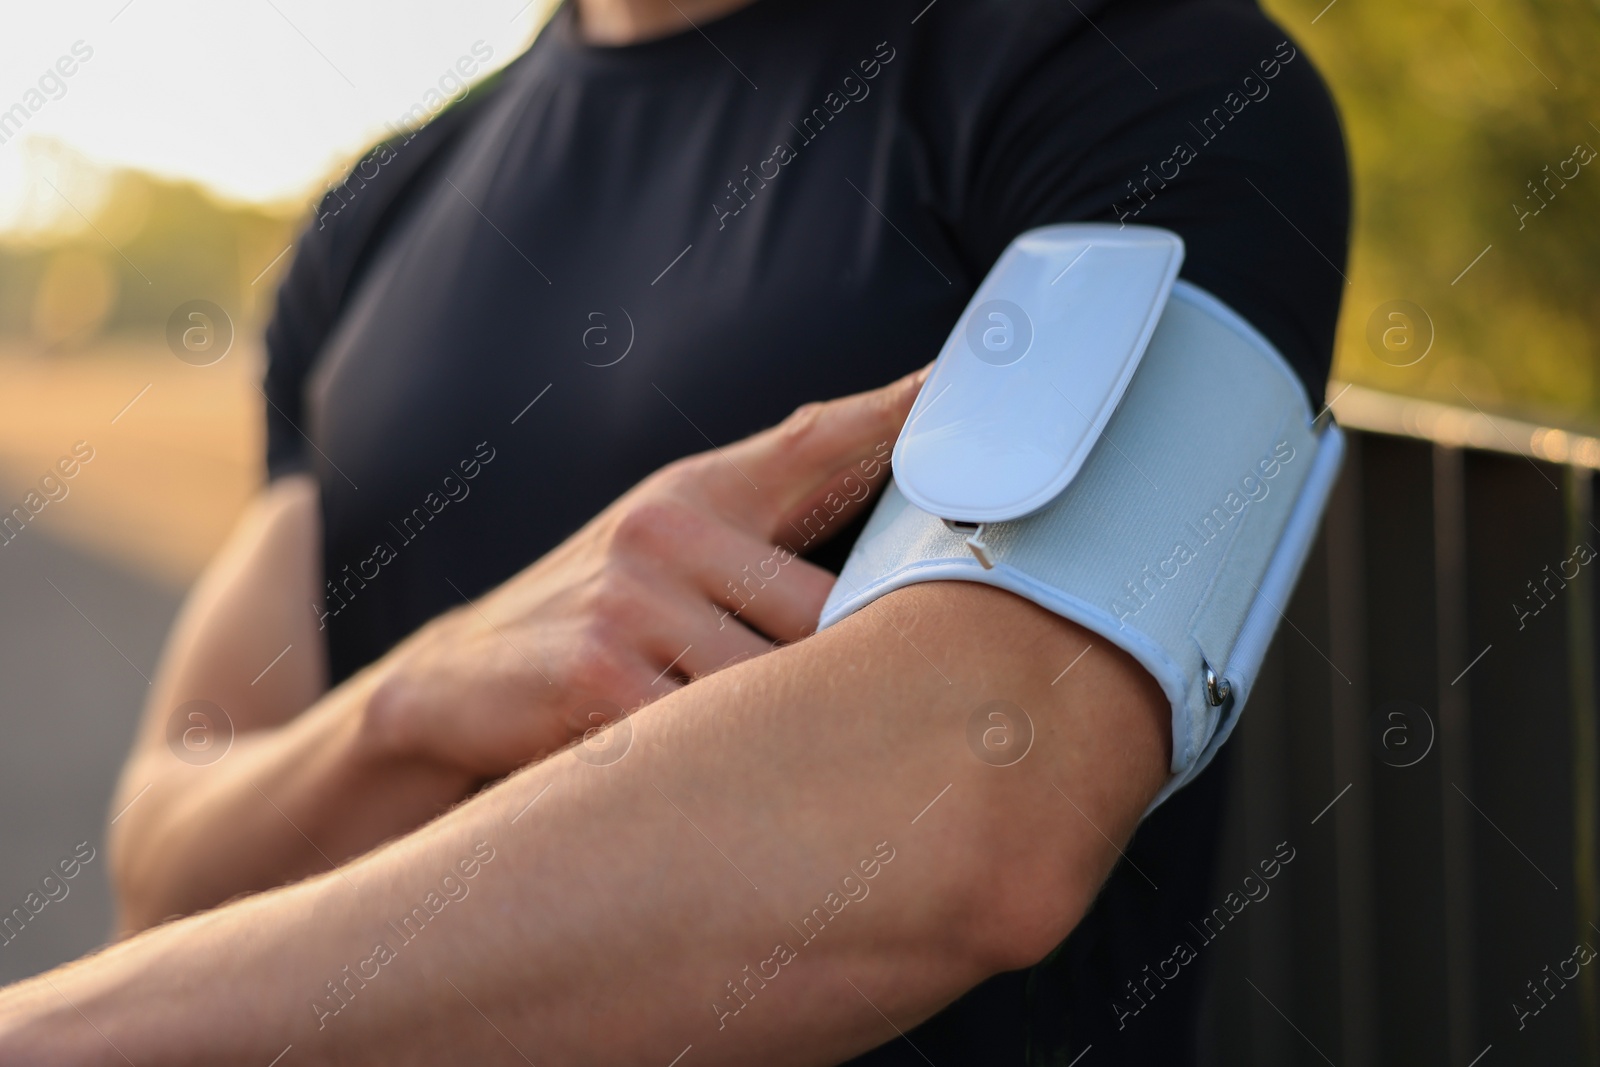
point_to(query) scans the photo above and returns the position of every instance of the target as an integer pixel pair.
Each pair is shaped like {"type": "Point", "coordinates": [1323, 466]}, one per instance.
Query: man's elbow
{"type": "Point", "coordinates": [1051, 826]}
{"type": "Point", "coordinates": [1022, 903]}
{"type": "Point", "coordinates": [1022, 844]}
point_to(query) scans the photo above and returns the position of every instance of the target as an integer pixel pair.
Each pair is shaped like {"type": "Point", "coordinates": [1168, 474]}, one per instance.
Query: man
{"type": "Point", "coordinates": [645, 238]}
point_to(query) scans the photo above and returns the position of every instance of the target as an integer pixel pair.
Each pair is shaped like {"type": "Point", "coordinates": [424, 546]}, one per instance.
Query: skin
{"type": "Point", "coordinates": [617, 906]}
{"type": "Point", "coordinates": [612, 900]}
{"type": "Point", "coordinates": [623, 22]}
{"type": "Point", "coordinates": [611, 619]}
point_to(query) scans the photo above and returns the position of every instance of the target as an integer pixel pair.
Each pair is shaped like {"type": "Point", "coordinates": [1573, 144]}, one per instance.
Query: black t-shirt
{"type": "Point", "coordinates": [609, 258]}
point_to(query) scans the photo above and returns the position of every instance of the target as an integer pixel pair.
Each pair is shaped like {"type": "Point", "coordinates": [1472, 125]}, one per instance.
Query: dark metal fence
{"type": "Point", "coordinates": [1425, 738]}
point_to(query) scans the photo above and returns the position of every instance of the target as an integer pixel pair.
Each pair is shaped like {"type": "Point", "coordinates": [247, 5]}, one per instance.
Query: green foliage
{"type": "Point", "coordinates": [152, 245]}
{"type": "Point", "coordinates": [1451, 109]}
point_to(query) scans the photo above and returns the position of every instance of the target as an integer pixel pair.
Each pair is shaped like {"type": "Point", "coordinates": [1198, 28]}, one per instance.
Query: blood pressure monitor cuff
{"type": "Point", "coordinates": [1179, 539]}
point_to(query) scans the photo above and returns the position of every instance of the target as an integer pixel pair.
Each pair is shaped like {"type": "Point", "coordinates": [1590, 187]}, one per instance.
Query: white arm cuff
{"type": "Point", "coordinates": [1181, 538]}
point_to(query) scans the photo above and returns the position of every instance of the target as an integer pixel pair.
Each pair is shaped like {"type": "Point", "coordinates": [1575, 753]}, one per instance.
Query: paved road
{"type": "Point", "coordinates": [68, 704]}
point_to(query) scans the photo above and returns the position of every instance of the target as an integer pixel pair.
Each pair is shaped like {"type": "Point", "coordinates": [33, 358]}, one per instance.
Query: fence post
{"type": "Point", "coordinates": [1455, 745]}
{"type": "Point", "coordinates": [1581, 651]}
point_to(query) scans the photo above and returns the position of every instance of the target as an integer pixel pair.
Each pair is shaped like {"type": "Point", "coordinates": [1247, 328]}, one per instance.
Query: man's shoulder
{"type": "Point", "coordinates": [1000, 40]}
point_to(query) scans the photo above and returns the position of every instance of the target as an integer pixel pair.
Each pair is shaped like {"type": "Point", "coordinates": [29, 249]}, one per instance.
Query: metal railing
{"type": "Point", "coordinates": [1425, 736]}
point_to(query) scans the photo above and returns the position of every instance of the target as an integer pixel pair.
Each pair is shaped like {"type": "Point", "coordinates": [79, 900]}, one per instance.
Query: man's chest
{"type": "Point", "coordinates": [556, 256]}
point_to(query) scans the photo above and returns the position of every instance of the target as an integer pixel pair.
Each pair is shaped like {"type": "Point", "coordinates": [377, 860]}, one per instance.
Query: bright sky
{"type": "Point", "coordinates": [256, 99]}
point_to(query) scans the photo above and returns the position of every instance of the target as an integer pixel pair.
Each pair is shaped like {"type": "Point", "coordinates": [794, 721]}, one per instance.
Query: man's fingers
{"type": "Point", "coordinates": [689, 636]}
{"type": "Point", "coordinates": [736, 576]}
{"type": "Point", "coordinates": [793, 461]}
{"type": "Point", "coordinates": [781, 595]}
{"type": "Point", "coordinates": [730, 599]}
{"type": "Point", "coordinates": [717, 646]}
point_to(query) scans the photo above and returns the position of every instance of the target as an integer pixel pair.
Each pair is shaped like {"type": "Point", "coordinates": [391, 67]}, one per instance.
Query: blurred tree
{"type": "Point", "coordinates": [149, 246]}
{"type": "Point", "coordinates": [1454, 111]}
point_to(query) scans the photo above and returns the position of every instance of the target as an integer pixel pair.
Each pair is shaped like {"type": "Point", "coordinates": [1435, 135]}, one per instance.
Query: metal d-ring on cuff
{"type": "Point", "coordinates": [1218, 688]}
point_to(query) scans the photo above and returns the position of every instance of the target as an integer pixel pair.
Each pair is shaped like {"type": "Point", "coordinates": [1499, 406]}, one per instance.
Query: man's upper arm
{"type": "Point", "coordinates": [251, 609]}
{"type": "Point", "coordinates": [1254, 182]}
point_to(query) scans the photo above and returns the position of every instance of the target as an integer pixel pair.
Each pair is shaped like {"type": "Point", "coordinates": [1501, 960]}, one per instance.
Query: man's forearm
{"type": "Point", "coordinates": [278, 778]}
{"type": "Point", "coordinates": [694, 891]}
{"type": "Point", "coordinates": [283, 803]}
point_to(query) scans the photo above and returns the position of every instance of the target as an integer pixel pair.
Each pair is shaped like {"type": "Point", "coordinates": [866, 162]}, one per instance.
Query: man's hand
{"type": "Point", "coordinates": [694, 568]}
{"type": "Point", "coordinates": [691, 569]}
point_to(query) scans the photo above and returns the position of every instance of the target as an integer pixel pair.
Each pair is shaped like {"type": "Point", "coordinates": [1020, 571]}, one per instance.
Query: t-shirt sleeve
{"type": "Point", "coordinates": [351, 221]}
{"type": "Point", "coordinates": [301, 319]}
{"type": "Point", "coordinates": [1201, 118]}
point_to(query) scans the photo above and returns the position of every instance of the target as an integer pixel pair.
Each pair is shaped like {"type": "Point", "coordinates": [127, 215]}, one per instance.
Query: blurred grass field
{"type": "Point", "coordinates": [168, 477]}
